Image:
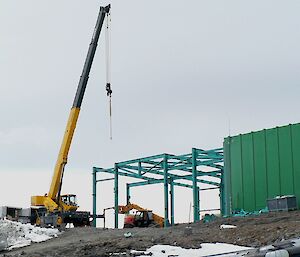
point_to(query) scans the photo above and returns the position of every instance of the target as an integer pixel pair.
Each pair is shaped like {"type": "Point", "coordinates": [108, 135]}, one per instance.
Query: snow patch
{"type": "Point", "coordinates": [227, 226]}
{"type": "Point", "coordinates": [18, 235]}
{"type": "Point", "coordinates": [206, 249]}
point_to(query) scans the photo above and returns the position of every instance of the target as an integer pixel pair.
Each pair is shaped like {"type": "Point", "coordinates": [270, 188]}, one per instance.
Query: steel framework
{"type": "Point", "coordinates": [187, 170]}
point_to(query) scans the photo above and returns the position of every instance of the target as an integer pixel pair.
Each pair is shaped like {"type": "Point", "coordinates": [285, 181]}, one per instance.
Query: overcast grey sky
{"type": "Point", "coordinates": [180, 71]}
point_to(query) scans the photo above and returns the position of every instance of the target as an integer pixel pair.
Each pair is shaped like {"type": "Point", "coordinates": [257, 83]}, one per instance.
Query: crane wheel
{"type": "Point", "coordinates": [38, 221]}
{"type": "Point", "coordinates": [59, 221]}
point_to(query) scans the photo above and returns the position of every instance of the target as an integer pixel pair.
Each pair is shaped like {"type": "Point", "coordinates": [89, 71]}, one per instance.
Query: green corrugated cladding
{"type": "Point", "coordinates": [261, 165]}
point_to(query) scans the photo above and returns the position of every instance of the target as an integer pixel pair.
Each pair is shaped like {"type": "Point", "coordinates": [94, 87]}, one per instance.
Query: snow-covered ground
{"type": "Point", "coordinates": [205, 250]}
{"type": "Point", "coordinates": [15, 234]}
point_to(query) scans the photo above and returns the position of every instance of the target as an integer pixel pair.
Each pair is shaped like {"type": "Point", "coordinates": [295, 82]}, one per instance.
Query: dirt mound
{"type": "Point", "coordinates": [251, 231]}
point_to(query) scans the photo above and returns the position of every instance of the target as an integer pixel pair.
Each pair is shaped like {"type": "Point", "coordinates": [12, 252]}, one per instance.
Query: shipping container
{"type": "Point", "coordinates": [261, 165]}
{"type": "Point", "coordinates": [9, 212]}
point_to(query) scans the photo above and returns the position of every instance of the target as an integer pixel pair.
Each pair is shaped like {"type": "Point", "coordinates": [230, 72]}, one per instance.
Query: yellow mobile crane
{"type": "Point", "coordinates": [53, 208]}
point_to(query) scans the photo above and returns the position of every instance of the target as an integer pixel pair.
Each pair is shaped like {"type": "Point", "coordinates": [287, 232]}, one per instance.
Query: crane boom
{"type": "Point", "coordinates": [72, 121]}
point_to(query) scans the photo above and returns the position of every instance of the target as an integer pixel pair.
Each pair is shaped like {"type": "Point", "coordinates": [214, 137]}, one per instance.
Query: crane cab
{"type": "Point", "coordinates": [69, 199]}
{"type": "Point", "coordinates": [69, 202]}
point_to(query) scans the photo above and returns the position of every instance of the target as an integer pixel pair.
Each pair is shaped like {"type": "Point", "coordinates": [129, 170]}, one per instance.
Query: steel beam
{"type": "Point", "coordinates": [158, 156]}
{"type": "Point", "coordinates": [175, 177]}
{"type": "Point", "coordinates": [157, 181]}
{"type": "Point", "coordinates": [105, 179]}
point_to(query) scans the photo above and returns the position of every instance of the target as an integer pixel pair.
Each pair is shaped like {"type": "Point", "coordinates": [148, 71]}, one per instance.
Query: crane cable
{"type": "Point", "coordinates": [108, 70]}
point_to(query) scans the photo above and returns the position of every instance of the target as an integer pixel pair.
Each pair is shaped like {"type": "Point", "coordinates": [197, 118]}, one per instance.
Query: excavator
{"type": "Point", "coordinates": [54, 209]}
{"type": "Point", "coordinates": [142, 217]}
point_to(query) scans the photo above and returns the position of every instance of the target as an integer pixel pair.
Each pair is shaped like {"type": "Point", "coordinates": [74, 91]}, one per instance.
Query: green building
{"type": "Point", "coordinates": [261, 165]}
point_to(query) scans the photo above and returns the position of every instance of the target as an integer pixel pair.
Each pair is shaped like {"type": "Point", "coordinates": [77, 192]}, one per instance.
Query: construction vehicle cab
{"type": "Point", "coordinates": [141, 218]}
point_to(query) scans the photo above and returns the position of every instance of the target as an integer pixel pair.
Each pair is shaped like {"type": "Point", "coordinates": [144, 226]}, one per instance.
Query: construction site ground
{"type": "Point", "coordinates": [250, 231]}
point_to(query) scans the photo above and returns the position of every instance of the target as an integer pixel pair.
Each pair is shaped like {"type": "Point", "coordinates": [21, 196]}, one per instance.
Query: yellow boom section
{"type": "Point", "coordinates": [63, 153]}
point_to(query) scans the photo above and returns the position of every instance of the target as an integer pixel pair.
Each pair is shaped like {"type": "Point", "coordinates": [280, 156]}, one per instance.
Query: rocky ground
{"type": "Point", "coordinates": [251, 231]}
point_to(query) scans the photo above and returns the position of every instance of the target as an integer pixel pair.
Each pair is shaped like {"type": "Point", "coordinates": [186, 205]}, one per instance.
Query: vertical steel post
{"type": "Point", "coordinates": [140, 168]}
{"type": "Point", "coordinates": [104, 219]}
{"type": "Point", "coordinates": [198, 201]}
{"type": "Point", "coordinates": [116, 191]}
{"type": "Point", "coordinates": [94, 196]}
{"type": "Point", "coordinates": [221, 194]}
{"type": "Point", "coordinates": [165, 165]}
{"type": "Point", "coordinates": [225, 187]}
{"type": "Point", "coordinates": [195, 188]}
{"type": "Point", "coordinates": [127, 193]}
{"type": "Point", "coordinates": [172, 200]}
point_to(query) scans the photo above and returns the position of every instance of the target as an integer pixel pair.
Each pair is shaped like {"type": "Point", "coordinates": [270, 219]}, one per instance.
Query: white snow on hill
{"type": "Point", "coordinates": [15, 234]}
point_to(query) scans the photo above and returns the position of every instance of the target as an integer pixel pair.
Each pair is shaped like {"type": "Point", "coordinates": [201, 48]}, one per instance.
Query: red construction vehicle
{"type": "Point", "coordinates": [142, 217]}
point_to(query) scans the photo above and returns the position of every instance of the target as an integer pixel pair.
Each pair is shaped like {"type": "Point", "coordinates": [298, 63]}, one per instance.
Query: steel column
{"type": "Point", "coordinates": [94, 197]}
{"type": "Point", "coordinates": [222, 196]}
{"type": "Point", "coordinates": [116, 191]}
{"type": "Point", "coordinates": [226, 180]}
{"type": "Point", "coordinates": [127, 193]}
{"type": "Point", "coordinates": [172, 200]}
{"type": "Point", "coordinates": [198, 201]}
{"type": "Point", "coordinates": [195, 188]}
{"type": "Point", "coordinates": [165, 165]}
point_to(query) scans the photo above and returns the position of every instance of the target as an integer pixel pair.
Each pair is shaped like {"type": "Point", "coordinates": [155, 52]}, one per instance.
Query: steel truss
{"type": "Point", "coordinates": [187, 170]}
